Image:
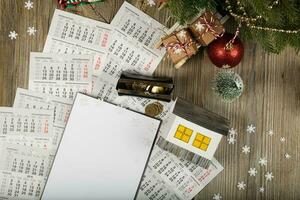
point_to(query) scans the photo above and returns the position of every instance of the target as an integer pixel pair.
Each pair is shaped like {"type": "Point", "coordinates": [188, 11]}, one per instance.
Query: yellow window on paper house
{"type": "Point", "coordinates": [201, 142]}
{"type": "Point", "coordinates": [183, 133]}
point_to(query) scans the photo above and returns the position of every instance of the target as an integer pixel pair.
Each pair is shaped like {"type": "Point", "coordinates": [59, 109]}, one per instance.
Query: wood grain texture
{"type": "Point", "coordinates": [271, 99]}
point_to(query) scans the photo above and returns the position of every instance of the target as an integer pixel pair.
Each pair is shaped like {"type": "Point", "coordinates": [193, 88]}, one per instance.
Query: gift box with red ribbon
{"type": "Point", "coordinates": [180, 46]}
{"type": "Point", "coordinates": [206, 28]}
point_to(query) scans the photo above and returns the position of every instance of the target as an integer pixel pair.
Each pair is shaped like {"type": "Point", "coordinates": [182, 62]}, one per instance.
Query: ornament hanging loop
{"type": "Point", "coordinates": [229, 45]}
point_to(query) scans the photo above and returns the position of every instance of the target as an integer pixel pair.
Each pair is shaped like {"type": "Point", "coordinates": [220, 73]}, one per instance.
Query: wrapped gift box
{"type": "Point", "coordinates": [206, 28]}
{"type": "Point", "coordinates": [180, 46]}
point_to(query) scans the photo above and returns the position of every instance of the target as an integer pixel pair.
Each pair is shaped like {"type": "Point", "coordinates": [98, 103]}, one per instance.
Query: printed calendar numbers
{"type": "Point", "coordinates": [139, 26]}
{"type": "Point", "coordinates": [32, 100]}
{"type": "Point", "coordinates": [52, 71]}
{"type": "Point", "coordinates": [154, 188]}
{"type": "Point", "coordinates": [60, 108]}
{"type": "Point", "coordinates": [19, 186]}
{"type": "Point", "coordinates": [80, 30]}
{"type": "Point", "coordinates": [74, 34]}
{"type": "Point", "coordinates": [61, 76]}
{"type": "Point", "coordinates": [21, 122]}
{"type": "Point", "coordinates": [23, 160]}
{"type": "Point", "coordinates": [104, 42]}
{"type": "Point", "coordinates": [97, 64]}
{"type": "Point", "coordinates": [148, 65]}
{"type": "Point", "coordinates": [168, 177]}
{"type": "Point", "coordinates": [125, 55]}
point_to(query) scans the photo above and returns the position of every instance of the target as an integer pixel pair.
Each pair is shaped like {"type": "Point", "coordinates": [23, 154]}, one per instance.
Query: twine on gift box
{"type": "Point", "coordinates": [210, 28]}
{"type": "Point", "coordinates": [179, 45]}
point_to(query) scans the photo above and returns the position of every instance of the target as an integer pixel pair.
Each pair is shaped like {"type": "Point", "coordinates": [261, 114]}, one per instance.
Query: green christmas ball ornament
{"type": "Point", "coordinates": [228, 85]}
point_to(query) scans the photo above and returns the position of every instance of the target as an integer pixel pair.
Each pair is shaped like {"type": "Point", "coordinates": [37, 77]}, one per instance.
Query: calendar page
{"type": "Point", "coordinates": [153, 187]}
{"type": "Point", "coordinates": [25, 160]}
{"type": "Point", "coordinates": [28, 127]}
{"type": "Point", "coordinates": [132, 22]}
{"type": "Point", "coordinates": [133, 43]}
{"type": "Point", "coordinates": [105, 89]}
{"type": "Point", "coordinates": [20, 186]}
{"type": "Point", "coordinates": [168, 177]}
{"type": "Point", "coordinates": [74, 34]}
{"type": "Point", "coordinates": [61, 76]}
{"type": "Point", "coordinates": [124, 54]}
{"type": "Point", "coordinates": [78, 31]}
{"type": "Point", "coordinates": [131, 49]}
{"type": "Point", "coordinates": [61, 108]}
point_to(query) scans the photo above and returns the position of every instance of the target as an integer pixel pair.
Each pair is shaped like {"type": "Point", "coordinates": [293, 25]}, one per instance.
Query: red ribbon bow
{"type": "Point", "coordinates": [178, 45]}
{"type": "Point", "coordinates": [211, 26]}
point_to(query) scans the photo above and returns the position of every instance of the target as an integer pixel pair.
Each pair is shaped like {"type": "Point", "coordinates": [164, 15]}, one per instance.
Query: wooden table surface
{"type": "Point", "coordinates": [271, 99]}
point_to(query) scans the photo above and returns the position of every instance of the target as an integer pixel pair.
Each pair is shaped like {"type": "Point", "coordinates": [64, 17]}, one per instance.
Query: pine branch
{"type": "Point", "coordinates": [184, 10]}
{"type": "Point", "coordinates": [285, 15]}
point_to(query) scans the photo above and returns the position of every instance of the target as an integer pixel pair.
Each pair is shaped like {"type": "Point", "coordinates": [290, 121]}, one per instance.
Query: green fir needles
{"type": "Point", "coordinates": [274, 24]}
{"type": "Point", "coordinates": [184, 10]}
{"type": "Point", "coordinates": [228, 85]}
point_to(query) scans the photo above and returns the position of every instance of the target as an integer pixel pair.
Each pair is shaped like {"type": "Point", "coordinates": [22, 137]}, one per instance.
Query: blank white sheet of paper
{"type": "Point", "coordinates": [103, 152]}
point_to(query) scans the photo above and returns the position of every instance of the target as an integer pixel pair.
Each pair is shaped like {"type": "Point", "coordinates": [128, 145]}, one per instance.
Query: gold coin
{"type": "Point", "coordinates": [160, 107]}
{"type": "Point", "coordinates": [157, 90]}
{"type": "Point", "coordinates": [154, 109]}
{"type": "Point", "coordinates": [139, 86]}
{"type": "Point", "coordinates": [151, 110]}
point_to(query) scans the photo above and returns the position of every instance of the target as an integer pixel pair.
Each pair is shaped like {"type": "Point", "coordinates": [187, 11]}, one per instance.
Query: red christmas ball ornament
{"type": "Point", "coordinates": [226, 51]}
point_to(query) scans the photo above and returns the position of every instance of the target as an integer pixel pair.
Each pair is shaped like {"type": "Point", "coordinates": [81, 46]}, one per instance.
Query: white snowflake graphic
{"type": "Point", "coordinates": [269, 176]}
{"type": "Point", "coordinates": [287, 156]}
{"type": "Point", "coordinates": [261, 189]}
{"type": "Point", "coordinates": [200, 27]}
{"type": "Point", "coordinates": [241, 185]}
{"type": "Point", "coordinates": [31, 30]}
{"type": "Point", "coordinates": [263, 161]}
{"type": "Point", "coordinates": [232, 132]}
{"type": "Point", "coordinates": [217, 196]}
{"type": "Point", "coordinates": [182, 34]}
{"type": "Point", "coordinates": [178, 51]}
{"type": "Point", "coordinates": [251, 128]}
{"type": "Point", "coordinates": [226, 66]}
{"type": "Point", "coordinates": [246, 149]}
{"type": "Point", "coordinates": [13, 35]}
{"type": "Point", "coordinates": [231, 140]}
{"type": "Point", "coordinates": [151, 2]}
{"type": "Point", "coordinates": [282, 139]}
{"type": "Point", "coordinates": [270, 132]}
{"type": "Point", "coordinates": [252, 172]}
{"type": "Point", "coordinates": [28, 4]}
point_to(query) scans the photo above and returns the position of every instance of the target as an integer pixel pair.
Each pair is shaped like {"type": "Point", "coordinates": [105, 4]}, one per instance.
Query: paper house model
{"type": "Point", "coordinates": [192, 132]}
